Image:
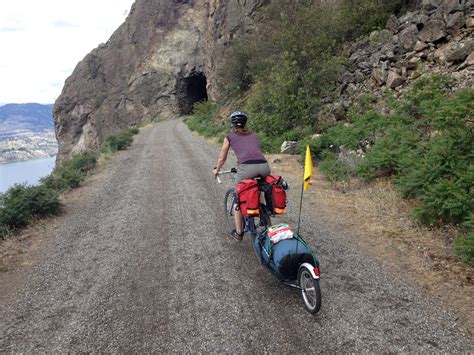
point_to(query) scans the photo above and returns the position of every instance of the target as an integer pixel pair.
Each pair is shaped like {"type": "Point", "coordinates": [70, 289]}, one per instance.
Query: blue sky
{"type": "Point", "coordinates": [42, 41]}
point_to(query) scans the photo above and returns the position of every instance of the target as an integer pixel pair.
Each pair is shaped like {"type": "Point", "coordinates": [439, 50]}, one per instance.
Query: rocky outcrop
{"type": "Point", "coordinates": [156, 65]}
{"type": "Point", "coordinates": [164, 58]}
{"type": "Point", "coordinates": [435, 37]}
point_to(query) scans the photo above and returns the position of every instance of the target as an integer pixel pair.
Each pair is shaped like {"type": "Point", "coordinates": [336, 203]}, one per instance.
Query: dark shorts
{"type": "Point", "coordinates": [249, 171]}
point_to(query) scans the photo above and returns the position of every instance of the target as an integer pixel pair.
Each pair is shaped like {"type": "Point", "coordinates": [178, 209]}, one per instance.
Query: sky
{"type": "Point", "coordinates": [41, 41]}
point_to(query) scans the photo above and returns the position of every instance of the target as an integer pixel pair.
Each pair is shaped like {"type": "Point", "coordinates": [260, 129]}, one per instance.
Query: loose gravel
{"type": "Point", "coordinates": [144, 263]}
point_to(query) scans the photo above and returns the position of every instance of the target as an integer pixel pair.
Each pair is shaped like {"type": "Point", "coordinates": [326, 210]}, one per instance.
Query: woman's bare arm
{"type": "Point", "coordinates": [222, 156]}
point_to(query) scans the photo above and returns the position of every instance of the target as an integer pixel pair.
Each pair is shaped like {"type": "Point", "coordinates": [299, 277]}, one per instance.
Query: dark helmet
{"type": "Point", "coordinates": [238, 119]}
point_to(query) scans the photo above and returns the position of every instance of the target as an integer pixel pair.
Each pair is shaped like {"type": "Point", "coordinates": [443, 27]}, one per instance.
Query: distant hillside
{"type": "Point", "coordinates": [33, 117]}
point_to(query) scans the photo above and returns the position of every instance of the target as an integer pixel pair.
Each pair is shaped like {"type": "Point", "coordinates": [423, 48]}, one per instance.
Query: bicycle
{"type": "Point", "coordinates": [300, 270]}
{"type": "Point", "coordinates": [253, 225]}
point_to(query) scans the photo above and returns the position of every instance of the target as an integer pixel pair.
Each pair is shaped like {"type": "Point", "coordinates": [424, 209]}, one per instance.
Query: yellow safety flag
{"type": "Point", "coordinates": [308, 168]}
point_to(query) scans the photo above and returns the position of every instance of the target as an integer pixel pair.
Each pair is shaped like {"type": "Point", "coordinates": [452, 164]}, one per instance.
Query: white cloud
{"type": "Point", "coordinates": [42, 41]}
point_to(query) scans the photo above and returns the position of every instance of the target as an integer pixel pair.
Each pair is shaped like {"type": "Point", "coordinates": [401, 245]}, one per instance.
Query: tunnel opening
{"type": "Point", "coordinates": [191, 89]}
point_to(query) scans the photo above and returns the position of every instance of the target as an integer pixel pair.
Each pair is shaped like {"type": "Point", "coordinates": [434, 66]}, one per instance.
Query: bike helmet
{"type": "Point", "coordinates": [238, 119]}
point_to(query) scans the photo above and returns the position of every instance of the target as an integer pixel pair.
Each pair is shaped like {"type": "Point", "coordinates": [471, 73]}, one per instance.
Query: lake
{"type": "Point", "coordinates": [29, 171]}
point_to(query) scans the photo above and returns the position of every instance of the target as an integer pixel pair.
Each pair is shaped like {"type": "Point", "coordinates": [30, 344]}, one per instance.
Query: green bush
{"type": "Point", "coordinates": [236, 72]}
{"type": "Point", "coordinates": [72, 172]}
{"type": "Point", "coordinates": [315, 146]}
{"type": "Point", "coordinates": [425, 144]}
{"type": "Point", "coordinates": [359, 17]}
{"type": "Point", "coordinates": [84, 161]}
{"type": "Point", "coordinates": [21, 202]}
{"type": "Point", "coordinates": [134, 130]}
{"type": "Point", "coordinates": [119, 141]}
{"type": "Point", "coordinates": [202, 120]}
{"type": "Point", "coordinates": [270, 144]}
{"type": "Point", "coordinates": [293, 58]}
{"type": "Point", "coordinates": [464, 244]}
{"type": "Point", "coordinates": [333, 169]}
{"type": "Point", "coordinates": [446, 200]}
{"type": "Point", "coordinates": [71, 178]}
{"type": "Point", "coordinates": [63, 179]}
{"type": "Point", "coordinates": [5, 231]}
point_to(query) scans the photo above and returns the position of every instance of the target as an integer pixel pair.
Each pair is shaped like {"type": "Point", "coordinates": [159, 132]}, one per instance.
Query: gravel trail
{"type": "Point", "coordinates": [144, 264]}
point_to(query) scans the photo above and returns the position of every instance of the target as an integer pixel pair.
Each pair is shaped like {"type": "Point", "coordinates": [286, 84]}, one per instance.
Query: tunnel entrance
{"type": "Point", "coordinates": [191, 89]}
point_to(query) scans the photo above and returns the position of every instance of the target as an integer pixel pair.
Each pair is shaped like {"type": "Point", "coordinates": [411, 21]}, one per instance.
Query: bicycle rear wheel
{"type": "Point", "coordinates": [229, 203]}
{"type": "Point", "coordinates": [257, 225]}
{"type": "Point", "coordinates": [263, 221]}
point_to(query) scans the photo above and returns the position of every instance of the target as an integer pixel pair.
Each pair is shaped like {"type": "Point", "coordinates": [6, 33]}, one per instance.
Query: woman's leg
{"type": "Point", "coordinates": [238, 221]}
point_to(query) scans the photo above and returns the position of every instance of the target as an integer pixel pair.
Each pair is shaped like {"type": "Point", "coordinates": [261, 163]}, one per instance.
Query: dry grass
{"type": "Point", "coordinates": [15, 251]}
{"type": "Point", "coordinates": [381, 221]}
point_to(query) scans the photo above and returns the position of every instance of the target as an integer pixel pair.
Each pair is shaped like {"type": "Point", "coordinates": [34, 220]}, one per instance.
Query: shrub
{"type": "Point", "coordinates": [202, 120]}
{"type": "Point", "coordinates": [72, 172]}
{"type": "Point", "coordinates": [464, 244]}
{"type": "Point", "coordinates": [446, 200]}
{"type": "Point", "coordinates": [84, 161]}
{"type": "Point", "coordinates": [119, 141]}
{"type": "Point", "coordinates": [236, 72]}
{"type": "Point", "coordinates": [5, 231]}
{"type": "Point", "coordinates": [426, 145]}
{"type": "Point", "coordinates": [70, 177]}
{"type": "Point", "coordinates": [293, 58]}
{"type": "Point", "coordinates": [63, 179]}
{"type": "Point", "coordinates": [333, 169]}
{"type": "Point", "coordinates": [21, 202]}
{"type": "Point", "coordinates": [359, 17]}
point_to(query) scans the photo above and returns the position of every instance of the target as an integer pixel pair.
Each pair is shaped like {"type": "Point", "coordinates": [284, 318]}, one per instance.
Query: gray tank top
{"type": "Point", "coordinates": [246, 148]}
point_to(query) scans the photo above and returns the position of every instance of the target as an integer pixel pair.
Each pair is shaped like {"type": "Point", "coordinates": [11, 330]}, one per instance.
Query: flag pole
{"type": "Point", "coordinates": [307, 172]}
{"type": "Point", "coordinates": [301, 205]}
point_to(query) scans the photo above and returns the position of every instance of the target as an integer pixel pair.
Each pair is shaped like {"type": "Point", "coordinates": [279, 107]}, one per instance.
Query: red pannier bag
{"type": "Point", "coordinates": [248, 198]}
{"type": "Point", "coordinates": [275, 195]}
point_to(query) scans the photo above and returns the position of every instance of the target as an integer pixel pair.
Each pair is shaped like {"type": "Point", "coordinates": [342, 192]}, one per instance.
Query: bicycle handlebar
{"type": "Point", "coordinates": [231, 171]}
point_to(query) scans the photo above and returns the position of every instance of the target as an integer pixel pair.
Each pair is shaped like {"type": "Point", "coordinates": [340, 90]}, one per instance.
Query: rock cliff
{"type": "Point", "coordinates": [156, 65]}
{"type": "Point", "coordinates": [433, 36]}
{"type": "Point", "coordinates": [163, 59]}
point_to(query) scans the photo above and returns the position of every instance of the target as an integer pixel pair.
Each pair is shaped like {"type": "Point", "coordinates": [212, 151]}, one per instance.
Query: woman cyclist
{"type": "Point", "coordinates": [250, 160]}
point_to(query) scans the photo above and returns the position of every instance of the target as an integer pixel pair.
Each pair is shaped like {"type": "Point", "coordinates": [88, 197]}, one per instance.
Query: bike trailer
{"type": "Point", "coordinates": [282, 251]}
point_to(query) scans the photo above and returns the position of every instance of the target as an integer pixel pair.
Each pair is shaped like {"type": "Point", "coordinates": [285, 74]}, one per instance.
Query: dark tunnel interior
{"type": "Point", "coordinates": [191, 89]}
